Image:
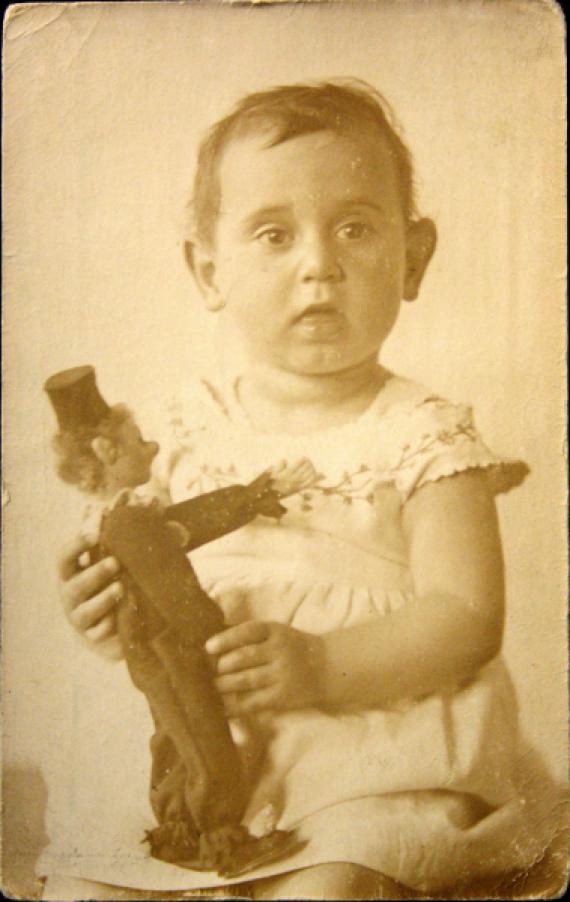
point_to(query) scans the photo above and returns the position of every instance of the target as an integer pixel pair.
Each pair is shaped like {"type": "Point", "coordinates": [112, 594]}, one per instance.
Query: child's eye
{"type": "Point", "coordinates": [352, 231]}
{"type": "Point", "coordinates": [275, 237]}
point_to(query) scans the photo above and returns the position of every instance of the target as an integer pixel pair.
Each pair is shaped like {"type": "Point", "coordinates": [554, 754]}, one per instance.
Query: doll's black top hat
{"type": "Point", "coordinates": [75, 398]}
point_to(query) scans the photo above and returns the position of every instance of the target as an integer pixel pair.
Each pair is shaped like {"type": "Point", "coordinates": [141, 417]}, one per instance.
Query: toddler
{"type": "Point", "coordinates": [366, 625]}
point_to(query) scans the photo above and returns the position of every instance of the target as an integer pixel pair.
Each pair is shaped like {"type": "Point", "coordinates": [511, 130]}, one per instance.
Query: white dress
{"type": "Point", "coordinates": [427, 791]}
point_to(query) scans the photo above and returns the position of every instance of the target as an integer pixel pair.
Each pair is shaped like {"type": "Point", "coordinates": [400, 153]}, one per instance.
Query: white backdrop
{"type": "Point", "coordinates": [104, 104]}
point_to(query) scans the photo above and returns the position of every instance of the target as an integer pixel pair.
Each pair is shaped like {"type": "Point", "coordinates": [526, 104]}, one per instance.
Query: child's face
{"type": "Point", "coordinates": [132, 465]}
{"type": "Point", "coordinates": [310, 250]}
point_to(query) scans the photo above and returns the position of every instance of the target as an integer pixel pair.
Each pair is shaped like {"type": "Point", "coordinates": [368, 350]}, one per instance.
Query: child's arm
{"type": "Point", "coordinates": [454, 626]}
{"type": "Point", "coordinates": [443, 637]}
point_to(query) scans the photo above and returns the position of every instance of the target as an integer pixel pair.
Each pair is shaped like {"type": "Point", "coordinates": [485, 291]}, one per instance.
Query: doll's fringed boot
{"type": "Point", "coordinates": [236, 851]}
{"type": "Point", "coordinates": [230, 850]}
{"type": "Point", "coordinates": [174, 841]}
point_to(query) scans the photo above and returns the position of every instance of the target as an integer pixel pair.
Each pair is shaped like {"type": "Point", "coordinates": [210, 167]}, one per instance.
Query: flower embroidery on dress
{"type": "Point", "coordinates": [357, 485]}
{"type": "Point", "coordinates": [430, 440]}
{"type": "Point", "coordinates": [179, 428]}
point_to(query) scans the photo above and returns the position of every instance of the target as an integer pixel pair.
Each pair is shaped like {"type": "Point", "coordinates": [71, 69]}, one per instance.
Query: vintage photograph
{"type": "Point", "coordinates": [284, 487]}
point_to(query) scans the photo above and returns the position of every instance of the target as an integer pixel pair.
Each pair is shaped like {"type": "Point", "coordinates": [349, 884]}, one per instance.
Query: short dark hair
{"type": "Point", "coordinates": [77, 463]}
{"type": "Point", "coordinates": [287, 112]}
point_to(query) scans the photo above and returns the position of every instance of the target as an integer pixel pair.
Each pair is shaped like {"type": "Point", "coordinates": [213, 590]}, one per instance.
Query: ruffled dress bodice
{"type": "Point", "coordinates": [339, 555]}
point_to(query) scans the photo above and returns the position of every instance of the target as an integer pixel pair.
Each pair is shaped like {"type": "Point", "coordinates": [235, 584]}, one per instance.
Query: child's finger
{"type": "Point", "coordinates": [88, 583]}
{"type": "Point", "coordinates": [102, 630]}
{"type": "Point", "coordinates": [243, 658]}
{"type": "Point", "coordinates": [68, 562]}
{"type": "Point", "coordinates": [248, 633]}
{"type": "Point", "coordinates": [110, 648]}
{"type": "Point", "coordinates": [238, 704]}
{"type": "Point", "coordinates": [89, 613]}
{"type": "Point", "coordinates": [84, 560]}
{"type": "Point", "coordinates": [245, 680]}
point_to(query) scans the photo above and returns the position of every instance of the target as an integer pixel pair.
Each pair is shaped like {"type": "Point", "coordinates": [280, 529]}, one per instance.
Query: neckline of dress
{"type": "Point", "coordinates": [234, 412]}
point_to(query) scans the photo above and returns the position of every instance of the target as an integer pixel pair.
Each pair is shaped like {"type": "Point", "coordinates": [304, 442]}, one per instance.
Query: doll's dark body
{"type": "Point", "coordinates": [198, 792]}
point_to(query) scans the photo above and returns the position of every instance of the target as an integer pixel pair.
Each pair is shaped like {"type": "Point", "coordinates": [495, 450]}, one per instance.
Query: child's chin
{"type": "Point", "coordinates": [320, 360]}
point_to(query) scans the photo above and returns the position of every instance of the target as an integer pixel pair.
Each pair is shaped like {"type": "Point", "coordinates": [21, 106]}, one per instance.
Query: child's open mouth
{"type": "Point", "coordinates": [320, 323]}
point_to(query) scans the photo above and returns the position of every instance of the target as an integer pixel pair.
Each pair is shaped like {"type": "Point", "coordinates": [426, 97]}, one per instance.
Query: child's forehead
{"type": "Point", "coordinates": [266, 137]}
{"type": "Point", "coordinates": [255, 165]}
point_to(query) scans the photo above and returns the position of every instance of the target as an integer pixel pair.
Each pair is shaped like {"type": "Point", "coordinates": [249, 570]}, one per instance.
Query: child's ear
{"type": "Point", "coordinates": [201, 264]}
{"type": "Point", "coordinates": [421, 242]}
{"type": "Point", "coordinates": [104, 450]}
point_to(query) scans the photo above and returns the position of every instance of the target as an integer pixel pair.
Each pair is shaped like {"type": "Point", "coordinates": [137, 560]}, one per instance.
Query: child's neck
{"type": "Point", "coordinates": [280, 401]}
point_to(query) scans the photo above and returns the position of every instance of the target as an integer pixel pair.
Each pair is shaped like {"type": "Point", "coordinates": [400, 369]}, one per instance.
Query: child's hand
{"type": "Point", "coordinates": [265, 666]}
{"type": "Point", "coordinates": [89, 596]}
{"type": "Point", "coordinates": [287, 479]}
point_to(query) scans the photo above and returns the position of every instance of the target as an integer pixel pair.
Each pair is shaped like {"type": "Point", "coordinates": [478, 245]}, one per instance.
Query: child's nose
{"type": "Point", "coordinates": [320, 262]}
{"type": "Point", "coordinates": [152, 448]}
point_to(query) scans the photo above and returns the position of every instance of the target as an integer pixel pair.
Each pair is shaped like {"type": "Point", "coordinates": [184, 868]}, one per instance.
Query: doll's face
{"type": "Point", "coordinates": [134, 456]}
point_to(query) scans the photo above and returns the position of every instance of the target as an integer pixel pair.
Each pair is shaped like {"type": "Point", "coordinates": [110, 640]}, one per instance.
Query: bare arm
{"type": "Point", "coordinates": [451, 628]}
{"type": "Point", "coordinates": [454, 625]}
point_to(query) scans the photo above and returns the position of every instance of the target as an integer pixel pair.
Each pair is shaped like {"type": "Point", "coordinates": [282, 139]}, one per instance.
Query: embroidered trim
{"type": "Point", "coordinates": [427, 442]}
{"type": "Point", "coordinates": [349, 488]}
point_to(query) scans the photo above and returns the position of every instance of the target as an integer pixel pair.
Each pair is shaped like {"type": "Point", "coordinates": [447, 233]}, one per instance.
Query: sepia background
{"type": "Point", "coordinates": [104, 105]}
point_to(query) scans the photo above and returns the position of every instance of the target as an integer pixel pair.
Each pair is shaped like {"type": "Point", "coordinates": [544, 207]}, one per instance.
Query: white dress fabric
{"type": "Point", "coordinates": [426, 792]}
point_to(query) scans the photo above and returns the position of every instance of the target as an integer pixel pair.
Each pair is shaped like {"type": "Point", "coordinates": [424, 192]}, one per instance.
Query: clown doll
{"type": "Point", "coordinates": [198, 786]}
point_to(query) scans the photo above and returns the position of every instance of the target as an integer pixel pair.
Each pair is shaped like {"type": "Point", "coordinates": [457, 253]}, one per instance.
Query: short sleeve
{"type": "Point", "coordinates": [439, 440]}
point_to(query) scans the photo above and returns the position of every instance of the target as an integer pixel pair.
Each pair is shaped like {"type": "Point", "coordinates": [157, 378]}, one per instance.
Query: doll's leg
{"type": "Point", "coordinates": [210, 796]}
{"type": "Point", "coordinates": [206, 724]}
{"type": "Point", "coordinates": [337, 880]}
{"type": "Point", "coordinates": [178, 685]}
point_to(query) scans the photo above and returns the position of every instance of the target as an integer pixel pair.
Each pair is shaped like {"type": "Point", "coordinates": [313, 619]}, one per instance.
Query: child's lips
{"type": "Point", "coordinates": [320, 323]}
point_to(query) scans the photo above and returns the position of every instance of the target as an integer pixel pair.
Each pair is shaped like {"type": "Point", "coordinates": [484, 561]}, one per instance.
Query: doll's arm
{"type": "Point", "coordinates": [217, 513]}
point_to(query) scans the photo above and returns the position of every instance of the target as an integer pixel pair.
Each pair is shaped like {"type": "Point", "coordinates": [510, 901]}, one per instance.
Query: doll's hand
{"type": "Point", "coordinates": [266, 666]}
{"type": "Point", "coordinates": [287, 479]}
{"type": "Point", "coordinates": [89, 596]}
